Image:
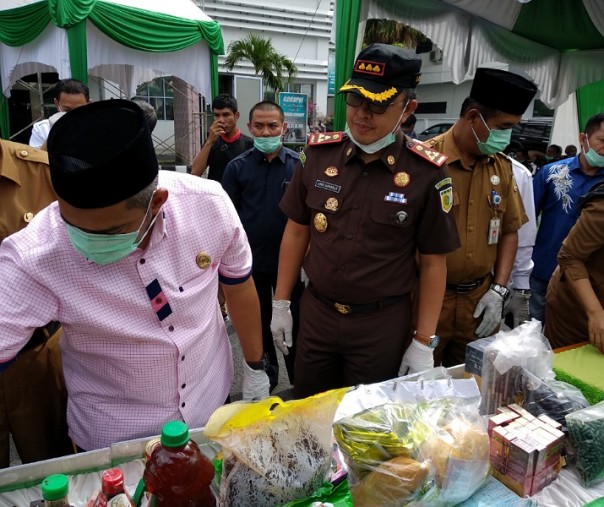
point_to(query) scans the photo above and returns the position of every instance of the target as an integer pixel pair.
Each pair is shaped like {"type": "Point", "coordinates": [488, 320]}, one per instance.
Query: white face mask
{"type": "Point", "coordinates": [382, 143]}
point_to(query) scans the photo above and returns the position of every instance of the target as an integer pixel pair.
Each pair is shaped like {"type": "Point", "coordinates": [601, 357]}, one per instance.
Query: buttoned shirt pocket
{"type": "Point", "coordinates": [196, 281]}
{"type": "Point", "coordinates": [324, 209]}
{"type": "Point", "coordinates": [391, 227]}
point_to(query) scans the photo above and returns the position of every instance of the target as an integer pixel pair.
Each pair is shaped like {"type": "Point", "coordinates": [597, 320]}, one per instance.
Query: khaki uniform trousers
{"type": "Point", "coordinates": [457, 326]}
{"type": "Point", "coordinates": [33, 404]}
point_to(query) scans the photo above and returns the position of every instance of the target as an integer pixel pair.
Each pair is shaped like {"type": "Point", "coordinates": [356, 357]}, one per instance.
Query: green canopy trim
{"type": "Point", "coordinates": [589, 102]}
{"type": "Point", "coordinates": [347, 21]}
{"type": "Point", "coordinates": [66, 13]}
{"type": "Point", "coordinates": [564, 25]}
{"type": "Point", "coordinates": [23, 25]}
{"type": "Point", "coordinates": [152, 31]}
{"type": "Point", "coordinates": [78, 55]}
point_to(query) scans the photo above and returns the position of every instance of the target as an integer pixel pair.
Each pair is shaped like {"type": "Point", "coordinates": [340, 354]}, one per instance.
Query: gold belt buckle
{"type": "Point", "coordinates": [343, 309]}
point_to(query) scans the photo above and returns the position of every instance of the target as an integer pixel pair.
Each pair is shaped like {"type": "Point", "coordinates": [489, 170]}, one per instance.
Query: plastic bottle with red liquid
{"type": "Point", "coordinates": [113, 492]}
{"type": "Point", "coordinates": [178, 474]}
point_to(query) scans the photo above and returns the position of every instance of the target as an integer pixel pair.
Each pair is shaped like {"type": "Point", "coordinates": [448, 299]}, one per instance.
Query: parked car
{"type": "Point", "coordinates": [534, 134]}
{"type": "Point", "coordinates": [433, 131]}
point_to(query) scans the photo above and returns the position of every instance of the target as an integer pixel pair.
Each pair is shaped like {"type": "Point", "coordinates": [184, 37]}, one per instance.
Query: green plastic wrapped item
{"type": "Point", "coordinates": [338, 496]}
{"type": "Point", "coordinates": [598, 502]}
{"type": "Point", "coordinates": [375, 435]}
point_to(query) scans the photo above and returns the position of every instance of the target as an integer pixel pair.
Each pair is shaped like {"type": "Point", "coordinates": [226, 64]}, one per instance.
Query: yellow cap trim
{"type": "Point", "coordinates": [374, 97]}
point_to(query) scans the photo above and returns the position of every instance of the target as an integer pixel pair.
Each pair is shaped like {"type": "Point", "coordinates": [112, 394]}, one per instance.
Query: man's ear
{"type": "Point", "coordinates": [237, 115]}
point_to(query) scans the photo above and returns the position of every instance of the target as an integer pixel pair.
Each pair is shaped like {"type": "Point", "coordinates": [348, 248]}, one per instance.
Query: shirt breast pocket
{"type": "Point", "coordinates": [324, 210]}
{"type": "Point", "coordinates": [391, 227]}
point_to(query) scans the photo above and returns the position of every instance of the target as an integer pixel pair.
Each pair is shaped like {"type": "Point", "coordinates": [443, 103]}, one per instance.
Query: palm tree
{"type": "Point", "coordinates": [267, 63]}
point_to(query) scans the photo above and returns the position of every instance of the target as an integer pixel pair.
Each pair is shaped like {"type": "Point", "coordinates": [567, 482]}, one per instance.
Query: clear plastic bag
{"type": "Point", "coordinates": [554, 398]}
{"type": "Point", "coordinates": [432, 453]}
{"type": "Point", "coordinates": [274, 451]}
{"type": "Point", "coordinates": [586, 434]}
{"type": "Point", "coordinates": [524, 347]}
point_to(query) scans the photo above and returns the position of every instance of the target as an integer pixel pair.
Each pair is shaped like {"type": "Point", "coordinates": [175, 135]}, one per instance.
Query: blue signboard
{"type": "Point", "coordinates": [295, 108]}
{"type": "Point", "coordinates": [331, 74]}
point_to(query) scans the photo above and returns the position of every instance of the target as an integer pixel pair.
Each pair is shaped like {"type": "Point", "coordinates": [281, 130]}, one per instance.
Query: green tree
{"type": "Point", "coordinates": [390, 31]}
{"type": "Point", "coordinates": [275, 69]}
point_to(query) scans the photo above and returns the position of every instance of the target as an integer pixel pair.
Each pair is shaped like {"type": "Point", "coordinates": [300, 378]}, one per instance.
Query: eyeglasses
{"type": "Point", "coordinates": [355, 100]}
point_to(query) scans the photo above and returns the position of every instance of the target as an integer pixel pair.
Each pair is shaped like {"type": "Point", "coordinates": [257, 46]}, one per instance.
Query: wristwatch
{"type": "Point", "coordinates": [259, 365]}
{"type": "Point", "coordinates": [503, 291]}
{"type": "Point", "coordinates": [433, 340]}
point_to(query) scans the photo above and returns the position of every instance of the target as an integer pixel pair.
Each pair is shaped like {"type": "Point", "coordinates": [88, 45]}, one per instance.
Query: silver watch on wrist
{"type": "Point", "coordinates": [503, 291]}
{"type": "Point", "coordinates": [433, 342]}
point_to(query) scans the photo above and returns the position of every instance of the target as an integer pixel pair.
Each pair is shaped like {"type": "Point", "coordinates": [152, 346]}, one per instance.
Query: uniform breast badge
{"type": "Point", "coordinates": [402, 179]}
{"type": "Point", "coordinates": [320, 222]}
{"type": "Point", "coordinates": [331, 171]}
{"type": "Point", "coordinates": [203, 260]}
{"type": "Point", "coordinates": [332, 204]}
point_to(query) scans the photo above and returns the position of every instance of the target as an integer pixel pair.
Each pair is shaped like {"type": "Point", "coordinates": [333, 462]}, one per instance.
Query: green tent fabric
{"type": "Point", "coordinates": [560, 45]}
{"type": "Point", "coordinates": [136, 28]}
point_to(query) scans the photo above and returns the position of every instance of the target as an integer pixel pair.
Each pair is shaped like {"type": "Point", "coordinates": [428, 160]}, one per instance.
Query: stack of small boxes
{"type": "Point", "coordinates": [525, 450]}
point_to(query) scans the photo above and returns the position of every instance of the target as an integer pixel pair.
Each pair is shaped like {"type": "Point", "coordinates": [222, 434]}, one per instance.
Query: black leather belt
{"type": "Point", "coordinates": [347, 309]}
{"type": "Point", "coordinates": [41, 334]}
{"type": "Point", "coordinates": [467, 286]}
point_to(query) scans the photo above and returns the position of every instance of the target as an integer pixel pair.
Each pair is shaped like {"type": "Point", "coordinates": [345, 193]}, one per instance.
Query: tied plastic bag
{"type": "Point", "coordinates": [586, 434]}
{"type": "Point", "coordinates": [434, 453]}
{"type": "Point", "coordinates": [457, 448]}
{"type": "Point", "coordinates": [524, 347]}
{"type": "Point", "coordinates": [378, 448]}
{"type": "Point", "coordinates": [274, 451]}
{"type": "Point", "coordinates": [553, 398]}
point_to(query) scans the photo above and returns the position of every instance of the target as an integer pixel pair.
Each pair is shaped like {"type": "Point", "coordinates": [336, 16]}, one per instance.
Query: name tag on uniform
{"type": "Point", "coordinates": [494, 228]}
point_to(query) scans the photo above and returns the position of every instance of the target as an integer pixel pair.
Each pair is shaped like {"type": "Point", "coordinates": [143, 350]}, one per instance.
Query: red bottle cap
{"type": "Point", "coordinates": [112, 481]}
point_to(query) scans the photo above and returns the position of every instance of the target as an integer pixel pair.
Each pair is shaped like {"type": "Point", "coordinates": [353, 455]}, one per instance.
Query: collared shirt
{"type": "Point", "coordinates": [256, 186]}
{"type": "Point", "coordinates": [473, 190]}
{"type": "Point", "coordinates": [143, 339]}
{"type": "Point", "coordinates": [39, 133]}
{"type": "Point", "coordinates": [25, 186]}
{"type": "Point", "coordinates": [523, 264]}
{"type": "Point", "coordinates": [581, 256]}
{"type": "Point", "coordinates": [367, 221]}
{"type": "Point", "coordinates": [222, 152]}
{"type": "Point", "coordinates": [557, 188]}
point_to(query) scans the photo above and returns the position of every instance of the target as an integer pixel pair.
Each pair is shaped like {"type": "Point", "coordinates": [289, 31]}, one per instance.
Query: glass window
{"type": "Point", "coordinates": [160, 94]}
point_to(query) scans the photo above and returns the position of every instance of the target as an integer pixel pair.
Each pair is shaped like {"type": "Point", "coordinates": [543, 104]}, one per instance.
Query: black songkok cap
{"type": "Point", "coordinates": [502, 90]}
{"type": "Point", "coordinates": [382, 71]}
{"type": "Point", "coordinates": [101, 154]}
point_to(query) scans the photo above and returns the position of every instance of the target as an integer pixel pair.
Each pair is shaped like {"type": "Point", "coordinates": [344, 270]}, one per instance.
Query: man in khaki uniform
{"type": "Point", "coordinates": [32, 391]}
{"type": "Point", "coordinates": [488, 210]}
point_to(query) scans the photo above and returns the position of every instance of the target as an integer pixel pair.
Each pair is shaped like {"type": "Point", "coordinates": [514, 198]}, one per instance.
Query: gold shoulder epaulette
{"type": "Point", "coordinates": [325, 138]}
{"type": "Point", "coordinates": [435, 157]}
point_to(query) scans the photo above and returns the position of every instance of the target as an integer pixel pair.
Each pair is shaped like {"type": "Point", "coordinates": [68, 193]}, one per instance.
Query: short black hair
{"type": "Point", "coordinates": [594, 123]}
{"type": "Point", "coordinates": [556, 148]}
{"type": "Point", "coordinates": [470, 103]}
{"type": "Point", "coordinates": [225, 101]}
{"type": "Point", "coordinates": [150, 112]}
{"type": "Point", "coordinates": [71, 87]}
{"type": "Point", "coordinates": [267, 105]}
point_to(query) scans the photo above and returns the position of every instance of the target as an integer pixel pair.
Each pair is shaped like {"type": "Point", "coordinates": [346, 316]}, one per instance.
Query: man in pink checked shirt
{"type": "Point", "coordinates": [129, 260]}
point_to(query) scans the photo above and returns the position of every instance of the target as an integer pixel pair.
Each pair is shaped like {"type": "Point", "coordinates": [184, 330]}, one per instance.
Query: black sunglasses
{"type": "Point", "coordinates": [355, 100]}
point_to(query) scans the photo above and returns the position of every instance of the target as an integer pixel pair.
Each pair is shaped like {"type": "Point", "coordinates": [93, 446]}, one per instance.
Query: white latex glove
{"type": "Point", "coordinates": [256, 385]}
{"type": "Point", "coordinates": [304, 277]}
{"type": "Point", "coordinates": [492, 305]}
{"type": "Point", "coordinates": [281, 325]}
{"type": "Point", "coordinates": [418, 357]}
{"type": "Point", "coordinates": [518, 307]}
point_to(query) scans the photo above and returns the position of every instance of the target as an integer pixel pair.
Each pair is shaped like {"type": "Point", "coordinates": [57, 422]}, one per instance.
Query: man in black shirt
{"type": "Point", "coordinates": [225, 141]}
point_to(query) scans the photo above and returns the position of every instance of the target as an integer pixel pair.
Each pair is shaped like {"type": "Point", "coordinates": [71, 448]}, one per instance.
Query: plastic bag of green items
{"type": "Point", "coordinates": [586, 435]}
{"type": "Point", "coordinates": [378, 446]}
